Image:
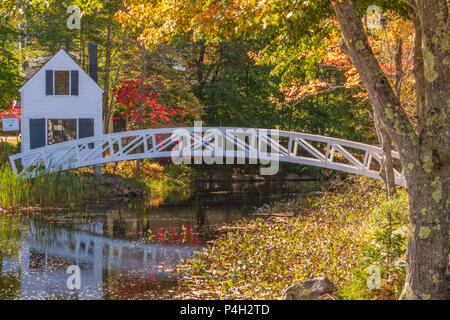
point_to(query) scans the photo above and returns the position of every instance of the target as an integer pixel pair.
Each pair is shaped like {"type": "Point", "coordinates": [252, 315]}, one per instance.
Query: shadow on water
{"type": "Point", "coordinates": [125, 252]}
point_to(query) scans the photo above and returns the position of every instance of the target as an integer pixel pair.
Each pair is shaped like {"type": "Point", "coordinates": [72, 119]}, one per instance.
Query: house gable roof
{"type": "Point", "coordinates": [66, 56]}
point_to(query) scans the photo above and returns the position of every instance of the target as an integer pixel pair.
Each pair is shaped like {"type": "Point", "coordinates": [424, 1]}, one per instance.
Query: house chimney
{"type": "Point", "coordinates": [93, 61]}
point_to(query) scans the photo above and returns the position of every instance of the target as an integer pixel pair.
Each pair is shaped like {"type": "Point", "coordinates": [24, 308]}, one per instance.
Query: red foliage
{"type": "Point", "coordinates": [153, 114]}
{"type": "Point", "coordinates": [13, 112]}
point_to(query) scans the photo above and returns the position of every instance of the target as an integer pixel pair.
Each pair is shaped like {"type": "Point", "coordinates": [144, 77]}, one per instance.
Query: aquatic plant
{"type": "Point", "coordinates": [46, 190]}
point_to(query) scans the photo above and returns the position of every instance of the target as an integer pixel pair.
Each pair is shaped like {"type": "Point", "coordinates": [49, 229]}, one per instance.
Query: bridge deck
{"type": "Point", "coordinates": [210, 144]}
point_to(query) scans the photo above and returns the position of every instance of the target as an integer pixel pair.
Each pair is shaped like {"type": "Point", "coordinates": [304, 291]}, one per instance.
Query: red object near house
{"type": "Point", "coordinates": [13, 113]}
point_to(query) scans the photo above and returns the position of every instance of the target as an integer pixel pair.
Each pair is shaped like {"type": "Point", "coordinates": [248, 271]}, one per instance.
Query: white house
{"type": "Point", "coordinates": [60, 102]}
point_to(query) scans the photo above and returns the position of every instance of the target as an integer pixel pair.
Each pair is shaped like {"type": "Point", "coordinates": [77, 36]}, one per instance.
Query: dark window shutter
{"type": "Point", "coordinates": [74, 82]}
{"type": "Point", "coordinates": [85, 128]}
{"type": "Point", "coordinates": [49, 82]}
{"type": "Point", "coordinates": [37, 133]}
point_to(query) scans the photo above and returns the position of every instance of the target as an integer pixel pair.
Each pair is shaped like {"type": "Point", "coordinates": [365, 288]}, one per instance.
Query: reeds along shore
{"type": "Point", "coordinates": [46, 190]}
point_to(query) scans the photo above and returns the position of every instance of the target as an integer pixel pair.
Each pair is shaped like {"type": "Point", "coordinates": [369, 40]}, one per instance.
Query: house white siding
{"type": "Point", "coordinates": [36, 104]}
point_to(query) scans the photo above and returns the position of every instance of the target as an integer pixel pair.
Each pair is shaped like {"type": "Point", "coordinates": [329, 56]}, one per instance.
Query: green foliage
{"type": "Point", "coordinates": [10, 78]}
{"type": "Point", "coordinates": [6, 150]}
{"type": "Point", "coordinates": [173, 184]}
{"type": "Point", "coordinates": [236, 91]}
{"type": "Point", "coordinates": [233, 90]}
{"type": "Point", "coordinates": [166, 181]}
{"type": "Point", "coordinates": [386, 252]}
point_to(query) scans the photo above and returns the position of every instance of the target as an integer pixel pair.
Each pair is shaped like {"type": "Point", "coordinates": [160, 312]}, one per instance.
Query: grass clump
{"type": "Point", "coordinates": [46, 190]}
{"type": "Point", "coordinates": [65, 189]}
{"type": "Point", "coordinates": [333, 235]}
{"type": "Point", "coordinates": [7, 149]}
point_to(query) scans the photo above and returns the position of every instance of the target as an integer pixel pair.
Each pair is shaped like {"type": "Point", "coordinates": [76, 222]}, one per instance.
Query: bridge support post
{"type": "Point", "coordinates": [98, 169]}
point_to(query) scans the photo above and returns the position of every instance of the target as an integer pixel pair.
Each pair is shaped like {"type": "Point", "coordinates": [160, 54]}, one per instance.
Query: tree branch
{"type": "Point", "coordinates": [380, 91]}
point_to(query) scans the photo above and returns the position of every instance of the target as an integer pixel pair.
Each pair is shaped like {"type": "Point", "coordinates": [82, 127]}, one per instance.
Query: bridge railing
{"type": "Point", "coordinates": [217, 142]}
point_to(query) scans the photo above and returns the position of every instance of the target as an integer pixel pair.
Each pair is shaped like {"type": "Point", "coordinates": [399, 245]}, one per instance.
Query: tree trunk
{"type": "Point", "coordinates": [418, 71]}
{"type": "Point", "coordinates": [106, 93]}
{"type": "Point", "coordinates": [387, 168]}
{"type": "Point", "coordinates": [388, 164]}
{"type": "Point", "coordinates": [427, 254]}
{"type": "Point", "coordinates": [141, 102]}
{"type": "Point", "coordinates": [425, 158]}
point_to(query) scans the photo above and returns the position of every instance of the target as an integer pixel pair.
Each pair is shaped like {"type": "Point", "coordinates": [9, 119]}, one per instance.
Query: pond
{"type": "Point", "coordinates": [125, 252]}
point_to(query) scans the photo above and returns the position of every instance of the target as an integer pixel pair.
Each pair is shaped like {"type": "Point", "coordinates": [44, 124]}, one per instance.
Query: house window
{"type": "Point", "coordinates": [62, 86]}
{"type": "Point", "coordinates": [60, 130]}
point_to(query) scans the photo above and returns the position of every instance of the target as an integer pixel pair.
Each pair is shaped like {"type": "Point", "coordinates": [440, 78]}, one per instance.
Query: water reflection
{"type": "Point", "coordinates": [122, 253]}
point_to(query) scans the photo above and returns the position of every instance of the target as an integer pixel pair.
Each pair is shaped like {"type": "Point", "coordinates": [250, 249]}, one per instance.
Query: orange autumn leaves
{"type": "Point", "coordinates": [383, 42]}
{"type": "Point", "coordinates": [334, 57]}
{"type": "Point", "coordinates": [295, 92]}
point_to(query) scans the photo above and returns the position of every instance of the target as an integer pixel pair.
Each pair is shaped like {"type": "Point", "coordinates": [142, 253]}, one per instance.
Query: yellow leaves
{"type": "Point", "coordinates": [297, 92]}
{"type": "Point", "coordinates": [275, 101]}
{"type": "Point", "coordinates": [256, 56]}
{"type": "Point", "coordinates": [353, 78]}
{"type": "Point", "coordinates": [210, 20]}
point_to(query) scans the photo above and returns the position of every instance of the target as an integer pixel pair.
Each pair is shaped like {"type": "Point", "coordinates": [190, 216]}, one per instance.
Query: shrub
{"type": "Point", "coordinates": [381, 274]}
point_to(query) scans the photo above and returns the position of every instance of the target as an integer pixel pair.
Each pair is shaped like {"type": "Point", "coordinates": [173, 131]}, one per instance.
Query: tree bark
{"type": "Point", "coordinates": [387, 168]}
{"type": "Point", "coordinates": [388, 163]}
{"type": "Point", "coordinates": [398, 68]}
{"type": "Point", "coordinates": [418, 71]}
{"type": "Point", "coordinates": [141, 101]}
{"type": "Point", "coordinates": [106, 93]}
{"type": "Point", "coordinates": [425, 158]}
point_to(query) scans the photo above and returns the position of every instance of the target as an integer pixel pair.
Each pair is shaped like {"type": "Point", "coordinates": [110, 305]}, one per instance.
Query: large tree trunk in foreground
{"type": "Point", "coordinates": [425, 157]}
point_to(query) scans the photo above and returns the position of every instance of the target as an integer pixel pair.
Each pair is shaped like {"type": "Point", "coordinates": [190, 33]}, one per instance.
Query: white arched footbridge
{"type": "Point", "coordinates": [210, 144]}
